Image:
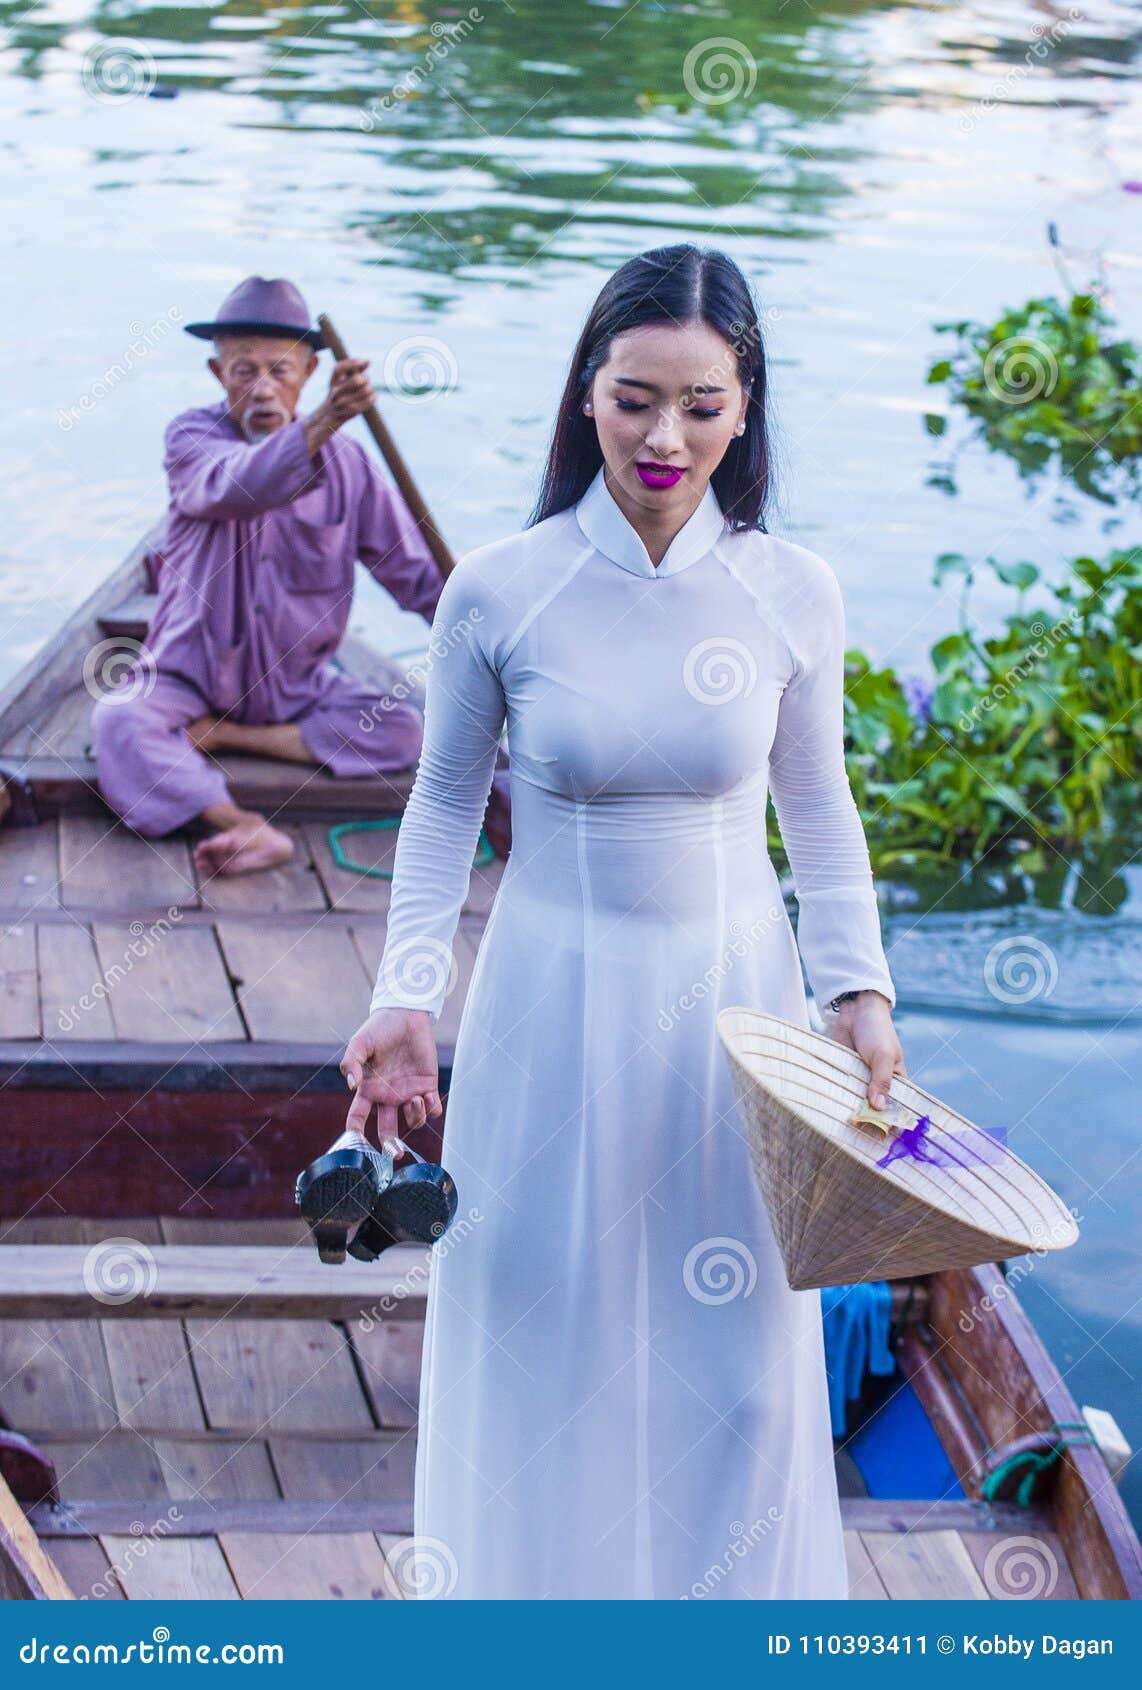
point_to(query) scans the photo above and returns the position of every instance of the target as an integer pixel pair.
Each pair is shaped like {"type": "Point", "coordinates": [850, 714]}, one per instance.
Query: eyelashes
{"type": "Point", "coordinates": [694, 410]}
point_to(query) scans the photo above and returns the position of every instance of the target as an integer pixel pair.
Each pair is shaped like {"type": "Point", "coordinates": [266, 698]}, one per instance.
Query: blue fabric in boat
{"type": "Point", "coordinates": [899, 1454]}
{"type": "Point", "coordinates": [856, 1321]}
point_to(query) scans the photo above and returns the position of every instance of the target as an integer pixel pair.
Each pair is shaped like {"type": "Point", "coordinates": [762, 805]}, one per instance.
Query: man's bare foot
{"type": "Point", "coordinates": [203, 732]}
{"type": "Point", "coordinates": [247, 845]}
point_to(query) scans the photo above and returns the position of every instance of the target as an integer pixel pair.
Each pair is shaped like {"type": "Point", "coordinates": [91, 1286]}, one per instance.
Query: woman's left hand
{"type": "Point", "coordinates": [864, 1024]}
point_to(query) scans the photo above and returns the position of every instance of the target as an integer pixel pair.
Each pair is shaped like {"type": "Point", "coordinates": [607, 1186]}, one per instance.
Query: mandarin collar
{"type": "Point", "coordinates": [610, 533]}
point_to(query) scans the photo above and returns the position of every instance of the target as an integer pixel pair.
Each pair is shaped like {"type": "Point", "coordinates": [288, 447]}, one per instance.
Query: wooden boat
{"type": "Point", "coordinates": [208, 1017]}
{"type": "Point", "coordinates": [193, 1405]}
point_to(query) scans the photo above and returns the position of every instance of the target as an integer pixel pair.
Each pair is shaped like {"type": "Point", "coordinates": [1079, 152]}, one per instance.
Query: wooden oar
{"type": "Point", "coordinates": [400, 470]}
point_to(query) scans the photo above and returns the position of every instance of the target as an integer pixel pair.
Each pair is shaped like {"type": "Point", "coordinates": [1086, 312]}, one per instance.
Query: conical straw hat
{"type": "Point", "coordinates": [954, 1198]}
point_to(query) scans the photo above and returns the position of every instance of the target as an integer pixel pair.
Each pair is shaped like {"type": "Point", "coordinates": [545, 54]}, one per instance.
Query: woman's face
{"type": "Point", "coordinates": [666, 405]}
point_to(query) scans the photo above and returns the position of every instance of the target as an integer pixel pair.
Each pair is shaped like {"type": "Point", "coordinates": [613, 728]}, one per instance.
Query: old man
{"type": "Point", "coordinates": [269, 511]}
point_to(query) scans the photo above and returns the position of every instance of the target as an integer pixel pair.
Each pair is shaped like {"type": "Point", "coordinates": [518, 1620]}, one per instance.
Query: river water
{"type": "Point", "coordinates": [452, 184]}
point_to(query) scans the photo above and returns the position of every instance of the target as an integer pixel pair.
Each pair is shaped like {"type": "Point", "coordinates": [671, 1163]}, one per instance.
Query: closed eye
{"type": "Point", "coordinates": [694, 410]}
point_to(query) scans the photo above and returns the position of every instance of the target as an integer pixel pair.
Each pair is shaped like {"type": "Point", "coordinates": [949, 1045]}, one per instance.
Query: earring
{"type": "Point", "coordinates": [588, 409]}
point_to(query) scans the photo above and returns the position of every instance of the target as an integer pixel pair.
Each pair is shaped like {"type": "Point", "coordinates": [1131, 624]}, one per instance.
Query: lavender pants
{"type": "Point", "coordinates": [155, 780]}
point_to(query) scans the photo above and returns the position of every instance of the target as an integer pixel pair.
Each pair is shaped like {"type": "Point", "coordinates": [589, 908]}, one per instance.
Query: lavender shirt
{"type": "Point", "coordinates": [256, 581]}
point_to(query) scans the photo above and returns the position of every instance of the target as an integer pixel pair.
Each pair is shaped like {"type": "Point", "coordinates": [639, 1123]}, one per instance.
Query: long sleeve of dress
{"type": "Point", "coordinates": [392, 547]}
{"type": "Point", "coordinates": [838, 922]}
{"type": "Point", "coordinates": [464, 714]}
{"type": "Point", "coordinates": [217, 480]}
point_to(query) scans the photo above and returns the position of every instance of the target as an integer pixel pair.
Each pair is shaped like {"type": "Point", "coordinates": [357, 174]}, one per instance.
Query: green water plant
{"type": "Point", "coordinates": [1025, 748]}
{"type": "Point", "coordinates": [1046, 383]}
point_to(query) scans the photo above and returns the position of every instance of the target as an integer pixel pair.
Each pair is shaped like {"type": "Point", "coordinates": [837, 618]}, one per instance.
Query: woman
{"type": "Point", "coordinates": [620, 1395]}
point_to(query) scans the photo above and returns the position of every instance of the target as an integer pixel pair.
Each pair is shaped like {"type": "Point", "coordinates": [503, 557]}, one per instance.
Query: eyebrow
{"type": "Point", "coordinates": [630, 381]}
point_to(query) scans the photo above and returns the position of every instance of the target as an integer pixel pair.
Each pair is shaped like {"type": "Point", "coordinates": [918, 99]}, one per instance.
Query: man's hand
{"type": "Point", "coordinates": [864, 1024]}
{"type": "Point", "coordinates": [350, 393]}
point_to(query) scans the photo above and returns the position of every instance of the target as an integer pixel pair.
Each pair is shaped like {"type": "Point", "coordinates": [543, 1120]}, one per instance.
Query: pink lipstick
{"type": "Point", "coordinates": [658, 475]}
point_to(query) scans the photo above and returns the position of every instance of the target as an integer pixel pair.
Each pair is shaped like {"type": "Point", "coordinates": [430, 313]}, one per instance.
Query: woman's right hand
{"type": "Point", "coordinates": [390, 1063]}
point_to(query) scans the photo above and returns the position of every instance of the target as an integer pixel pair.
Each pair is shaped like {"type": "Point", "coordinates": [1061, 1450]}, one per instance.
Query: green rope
{"type": "Point", "coordinates": [484, 851]}
{"type": "Point", "coordinates": [1035, 1462]}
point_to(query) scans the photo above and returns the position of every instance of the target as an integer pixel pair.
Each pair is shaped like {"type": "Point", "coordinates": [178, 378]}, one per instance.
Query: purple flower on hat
{"type": "Point", "coordinates": [910, 1141]}
{"type": "Point", "coordinates": [914, 1142]}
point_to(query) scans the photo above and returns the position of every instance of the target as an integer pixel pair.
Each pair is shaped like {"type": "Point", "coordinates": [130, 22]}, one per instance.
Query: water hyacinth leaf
{"type": "Point", "coordinates": [1021, 575]}
{"type": "Point", "coordinates": [950, 563]}
{"type": "Point", "coordinates": [948, 650]}
{"type": "Point", "coordinates": [1010, 800]}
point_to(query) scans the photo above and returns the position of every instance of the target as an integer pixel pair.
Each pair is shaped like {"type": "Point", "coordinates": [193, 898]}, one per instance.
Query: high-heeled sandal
{"type": "Point", "coordinates": [416, 1206]}
{"type": "Point", "coordinates": [339, 1189]}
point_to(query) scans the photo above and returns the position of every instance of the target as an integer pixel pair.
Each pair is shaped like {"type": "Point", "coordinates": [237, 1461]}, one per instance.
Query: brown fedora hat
{"type": "Point", "coordinates": [259, 306]}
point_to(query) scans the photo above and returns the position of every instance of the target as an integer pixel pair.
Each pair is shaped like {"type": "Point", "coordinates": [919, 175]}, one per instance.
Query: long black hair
{"type": "Point", "coordinates": [672, 284]}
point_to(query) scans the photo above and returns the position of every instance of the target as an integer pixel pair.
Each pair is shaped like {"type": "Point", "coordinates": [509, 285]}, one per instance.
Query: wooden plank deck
{"type": "Point", "coordinates": [105, 936]}
{"type": "Point", "coordinates": [199, 1024]}
{"type": "Point", "coordinates": [213, 1456]}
